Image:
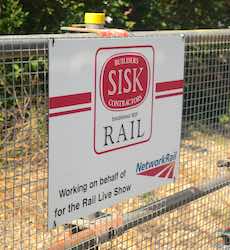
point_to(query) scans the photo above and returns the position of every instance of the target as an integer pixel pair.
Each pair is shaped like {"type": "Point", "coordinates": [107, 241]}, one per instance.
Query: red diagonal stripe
{"type": "Point", "coordinates": [69, 100]}
{"type": "Point", "coordinates": [68, 112]}
{"type": "Point", "coordinates": [154, 171]}
{"type": "Point", "coordinates": [165, 86]}
{"type": "Point", "coordinates": [165, 172]}
{"type": "Point", "coordinates": [169, 95]}
{"type": "Point", "coordinates": [171, 173]}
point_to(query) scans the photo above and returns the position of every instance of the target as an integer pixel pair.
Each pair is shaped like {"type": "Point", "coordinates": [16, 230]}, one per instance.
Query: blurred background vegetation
{"type": "Point", "coordinates": [46, 16]}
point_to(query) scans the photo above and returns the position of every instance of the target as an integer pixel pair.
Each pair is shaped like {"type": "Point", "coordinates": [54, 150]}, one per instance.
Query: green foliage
{"type": "Point", "coordinates": [45, 16]}
{"type": "Point", "coordinates": [21, 85]}
{"type": "Point", "coordinates": [12, 16]}
{"type": "Point", "coordinates": [224, 119]}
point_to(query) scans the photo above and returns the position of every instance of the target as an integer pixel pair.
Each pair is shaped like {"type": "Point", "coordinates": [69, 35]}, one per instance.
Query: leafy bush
{"type": "Point", "coordinates": [22, 94]}
{"type": "Point", "coordinates": [45, 16]}
{"type": "Point", "coordinates": [13, 17]}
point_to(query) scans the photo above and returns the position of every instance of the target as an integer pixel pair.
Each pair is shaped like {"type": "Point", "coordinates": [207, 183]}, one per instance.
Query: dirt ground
{"type": "Point", "coordinates": [23, 199]}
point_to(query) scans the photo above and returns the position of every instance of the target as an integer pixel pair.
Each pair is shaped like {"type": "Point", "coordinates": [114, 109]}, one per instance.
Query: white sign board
{"type": "Point", "coordinates": [115, 108]}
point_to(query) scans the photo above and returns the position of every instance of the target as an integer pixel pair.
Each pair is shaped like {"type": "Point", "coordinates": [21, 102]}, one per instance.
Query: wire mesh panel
{"type": "Point", "coordinates": [184, 215]}
{"type": "Point", "coordinates": [23, 153]}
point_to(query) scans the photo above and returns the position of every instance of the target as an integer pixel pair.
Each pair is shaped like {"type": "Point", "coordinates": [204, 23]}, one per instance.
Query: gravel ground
{"type": "Point", "coordinates": [23, 200]}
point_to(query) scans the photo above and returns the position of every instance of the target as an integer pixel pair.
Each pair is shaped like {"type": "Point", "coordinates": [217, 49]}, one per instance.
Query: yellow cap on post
{"type": "Point", "coordinates": [94, 18]}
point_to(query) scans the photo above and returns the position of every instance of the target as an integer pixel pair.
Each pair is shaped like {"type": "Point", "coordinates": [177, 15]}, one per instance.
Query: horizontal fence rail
{"type": "Point", "coordinates": [184, 215]}
{"type": "Point", "coordinates": [155, 209]}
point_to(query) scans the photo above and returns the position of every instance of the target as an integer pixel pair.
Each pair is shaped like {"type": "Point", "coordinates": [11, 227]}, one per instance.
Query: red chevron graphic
{"type": "Point", "coordinates": [171, 174]}
{"type": "Point", "coordinates": [163, 171]}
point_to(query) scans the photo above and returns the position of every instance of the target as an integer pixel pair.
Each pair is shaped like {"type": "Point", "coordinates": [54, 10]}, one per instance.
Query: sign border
{"type": "Point", "coordinates": [95, 91]}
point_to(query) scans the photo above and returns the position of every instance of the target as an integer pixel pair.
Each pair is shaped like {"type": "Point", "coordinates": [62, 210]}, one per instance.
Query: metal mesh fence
{"type": "Point", "coordinates": [184, 215]}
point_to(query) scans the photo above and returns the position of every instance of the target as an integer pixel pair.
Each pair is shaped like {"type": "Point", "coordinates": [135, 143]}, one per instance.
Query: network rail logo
{"type": "Point", "coordinates": [163, 167]}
